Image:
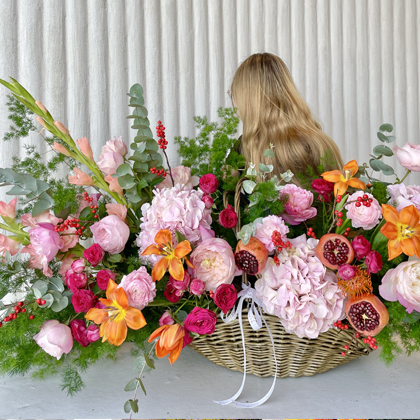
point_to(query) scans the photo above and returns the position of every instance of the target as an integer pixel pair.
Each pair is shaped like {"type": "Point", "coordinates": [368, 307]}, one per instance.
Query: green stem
{"type": "Point", "coordinates": [181, 306]}
{"type": "Point", "coordinates": [405, 176]}
{"type": "Point", "coordinates": [375, 232]}
{"type": "Point", "coordinates": [15, 231]}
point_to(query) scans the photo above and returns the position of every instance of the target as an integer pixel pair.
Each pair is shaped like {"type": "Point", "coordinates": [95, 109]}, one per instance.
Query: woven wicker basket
{"type": "Point", "coordinates": [295, 356]}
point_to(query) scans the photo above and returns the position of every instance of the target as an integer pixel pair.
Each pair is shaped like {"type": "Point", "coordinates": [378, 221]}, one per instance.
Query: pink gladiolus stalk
{"type": "Point", "coordinates": [80, 178]}
{"type": "Point", "coordinates": [85, 148]}
{"type": "Point", "coordinates": [60, 149]}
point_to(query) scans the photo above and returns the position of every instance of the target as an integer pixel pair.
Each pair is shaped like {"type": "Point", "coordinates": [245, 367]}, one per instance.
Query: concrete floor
{"type": "Point", "coordinates": [364, 388]}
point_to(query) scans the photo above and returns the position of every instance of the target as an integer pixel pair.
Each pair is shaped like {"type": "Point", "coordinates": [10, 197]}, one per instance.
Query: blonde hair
{"type": "Point", "coordinates": [272, 111]}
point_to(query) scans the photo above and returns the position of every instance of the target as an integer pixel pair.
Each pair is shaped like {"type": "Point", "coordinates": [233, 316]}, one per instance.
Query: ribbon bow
{"type": "Point", "coordinates": [255, 319]}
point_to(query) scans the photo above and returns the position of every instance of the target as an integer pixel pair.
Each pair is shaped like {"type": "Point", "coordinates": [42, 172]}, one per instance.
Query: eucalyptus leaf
{"type": "Point", "coordinates": [251, 171]}
{"type": "Point", "coordinates": [134, 403]}
{"type": "Point", "coordinates": [152, 145]}
{"type": "Point", "coordinates": [249, 186]}
{"type": "Point", "coordinates": [17, 190]}
{"type": "Point", "coordinates": [142, 121]}
{"type": "Point", "coordinates": [84, 213]}
{"type": "Point", "coordinates": [263, 168]}
{"type": "Point", "coordinates": [49, 300]}
{"type": "Point", "coordinates": [411, 318]}
{"type": "Point", "coordinates": [123, 169]}
{"type": "Point", "coordinates": [383, 150]}
{"type": "Point", "coordinates": [55, 294]}
{"type": "Point", "coordinates": [61, 304]}
{"type": "Point", "coordinates": [138, 156]}
{"type": "Point", "coordinates": [141, 167]}
{"type": "Point", "coordinates": [115, 258]}
{"type": "Point", "coordinates": [142, 386]}
{"type": "Point", "coordinates": [386, 127]}
{"type": "Point", "coordinates": [17, 266]}
{"type": "Point", "coordinates": [149, 361]}
{"type": "Point", "coordinates": [374, 164]}
{"type": "Point", "coordinates": [141, 138]}
{"type": "Point", "coordinates": [146, 132]}
{"type": "Point", "coordinates": [127, 407]}
{"type": "Point", "coordinates": [40, 287]}
{"type": "Point", "coordinates": [131, 386]}
{"type": "Point", "coordinates": [391, 139]}
{"type": "Point", "coordinates": [56, 284]}
{"type": "Point", "coordinates": [139, 127]}
{"type": "Point", "coordinates": [269, 153]}
{"type": "Point", "coordinates": [386, 169]}
{"type": "Point", "coordinates": [127, 181]}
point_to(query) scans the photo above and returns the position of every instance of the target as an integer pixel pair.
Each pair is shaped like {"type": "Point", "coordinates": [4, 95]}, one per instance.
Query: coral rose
{"type": "Point", "coordinates": [111, 233]}
{"type": "Point", "coordinates": [374, 262]}
{"type": "Point", "coordinates": [74, 280]}
{"type": "Point", "coordinates": [324, 189]}
{"type": "Point", "coordinates": [201, 321]}
{"type": "Point", "coordinates": [361, 246]}
{"type": "Point", "coordinates": [78, 329]}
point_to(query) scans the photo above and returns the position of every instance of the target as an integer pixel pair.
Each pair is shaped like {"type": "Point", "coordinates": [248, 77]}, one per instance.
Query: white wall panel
{"type": "Point", "coordinates": [356, 62]}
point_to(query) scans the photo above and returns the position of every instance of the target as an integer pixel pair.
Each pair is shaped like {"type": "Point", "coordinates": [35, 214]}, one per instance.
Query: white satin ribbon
{"type": "Point", "coordinates": [254, 318]}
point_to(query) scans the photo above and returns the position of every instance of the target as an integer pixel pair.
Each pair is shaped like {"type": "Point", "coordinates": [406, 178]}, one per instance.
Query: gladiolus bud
{"type": "Point", "coordinates": [41, 121]}
{"type": "Point", "coordinates": [80, 178]}
{"type": "Point", "coordinates": [85, 148]}
{"type": "Point", "coordinates": [62, 127]}
{"type": "Point", "coordinates": [114, 185]}
{"type": "Point", "coordinates": [60, 148]}
{"type": "Point", "coordinates": [41, 106]}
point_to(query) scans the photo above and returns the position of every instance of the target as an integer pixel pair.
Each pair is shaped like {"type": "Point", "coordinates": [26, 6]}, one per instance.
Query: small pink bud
{"type": "Point", "coordinates": [62, 127]}
{"type": "Point", "coordinates": [80, 178]}
{"type": "Point", "coordinates": [60, 148]}
{"type": "Point", "coordinates": [85, 148]}
{"type": "Point", "coordinates": [41, 106]}
{"type": "Point", "coordinates": [41, 121]}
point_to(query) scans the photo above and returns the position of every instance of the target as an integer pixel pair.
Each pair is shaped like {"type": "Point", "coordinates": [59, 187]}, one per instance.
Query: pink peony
{"type": "Point", "coordinates": [225, 297]}
{"type": "Point", "coordinates": [208, 201]}
{"type": "Point", "coordinates": [374, 262]}
{"type": "Point", "coordinates": [347, 271]}
{"type": "Point", "coordinates": [298, 207]}
{"type": "Point", "coordinates": [8, 210]}
{"type": "Point", "coordinates": [324, 189]}
{"type": "Point", "coordinates": [404, 196]}
{"type": "Point", "coordinates": [181, 175]}
{"type": "Point", "coordinates": [78, 329]}
{"type": "Point", "coordinates": [43, 217]}
{"type": "Point", "coordinates": [364, 217]}
{"type": "Point", "coordinates": [82, 300]}
{"type": "Point", "coordinates": [214, 263]}
{"type": "Point", "coordinates": [117, 209]}
{"type": "Point", "coordinates": [208, 183]}
{"type": "Point", "coordinates": [403, 284]}
{"type": "Point", "coordinates": [111, 233]}
{"type": "Point", "coordinates": [139, 287]}
{"type": "Point", "coordinates": [75, 281]}
{"type": "Point", "coordinates": [103, 277]}
{"type": "Point", "coordinates": [92, 333]}
{"type": "Point", "coordinates": [201, 321]}
{"type": "Point", "coordinates": [112, 156]}
{"type": "Point", "coordinates": [228, 217]}
{"type": "Point", "coordinates": [197, 287]}
{"type": "Point", "coordinates": [7, 244]}
{"type": "Point", "coordinates": [94, 254]}
{"type": "Point", "coordinates": [267, 227]}
{"type": "Point", "coordinates": [174, 209]}
{"type": "Point", "coordinates": [166, 319]}
{"type": "Point", "coordinates": [80, 178]}
{"type": "Point", "coordinates": [408, 156]}
{"type": "Point", "coordinates": [361, 246]}
{"type": "Point", "coordinates": [300, 291]}
{"type": "Point", "coordinates": [55, 338]}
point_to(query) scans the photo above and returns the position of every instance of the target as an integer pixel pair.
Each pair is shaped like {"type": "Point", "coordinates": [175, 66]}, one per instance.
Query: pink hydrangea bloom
{"type": "Point", "coordinates": [364, 217]}
{"type": "Point", "coordinates": [267, 227]}
{"type": "Point", "coordinates": [175, 209]}
{"type": "Point", "coordinates": [404, 195]}
{"type": "Point", "coordinates": [300, 291]}
{"type": "Point", "coordinates": [298, 207]}
{"type": "Point", "coordinates": [181, 175]}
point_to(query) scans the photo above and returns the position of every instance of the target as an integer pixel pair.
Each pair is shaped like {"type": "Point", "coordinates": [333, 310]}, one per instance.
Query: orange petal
{"type": "Point", "coordinates": [116, 332]}
{"type": "Point", "coordinates": [157, 332]}
{"type": "Point", "coordinates": [102, 331]}
{"type": "Point", "coordinates": [161, 351]}
{"type": "Point", "coordinates": [176, 269]}
{"type": "Point", "coordinates": [356, 183]}
{"type": "Point", "coordinates": [390, 214]}
{"type": "Point", "coordinates": [351, 166]}
{"type": "Point", "coordinates": [182, 249]}
{"type": "Point", "coordinates": [112, 286]}
{"type": "Point", "coordinates": [106, 302]}
{"type": "Point", "coordinates": [332, 176]}
{"type": "Point", "coordinates": [390, 230]}
{"type": "Point", "coordinates": [408, 247]}
{"type": "Point", "coordinates": [171, 336]}
{"type": "Point", "coordinates": [176, 352]}
{"type": "Point", "coordinates": [188, 263]}
{"type": "Point", "coordinates": [409, 216]}
{"type": "Point", "coordinates": [151, 249]}
{"type": "Point", "coordinates": [394, 249]}
{"type": "Point", "coordinates": [134, 318]}
{"type": "Point", "coordinates": [340, 188]}
{"type": "Point", "coordinates": [163, 237]}
{"type": "Point", "coordinates": [121, 297]}
{"type": "Point", "coordinates": [160, 268]}
{"type": "Point", "coordinates": [98, 316]}
{"type": "Point", "coordinates": [416, 241]}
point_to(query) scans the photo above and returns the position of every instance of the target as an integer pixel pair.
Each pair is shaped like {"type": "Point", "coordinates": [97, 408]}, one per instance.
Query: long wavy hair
{"type": "Point", "coordinates": [272, 111]}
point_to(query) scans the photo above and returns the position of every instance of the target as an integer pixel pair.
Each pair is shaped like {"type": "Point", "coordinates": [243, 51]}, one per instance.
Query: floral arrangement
{"type": "Point", "coordinates": [132, 250]}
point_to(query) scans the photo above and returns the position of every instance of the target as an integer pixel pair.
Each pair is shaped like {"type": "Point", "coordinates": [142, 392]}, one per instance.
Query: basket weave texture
{"type": "Point", "coordinates": [295, 356]}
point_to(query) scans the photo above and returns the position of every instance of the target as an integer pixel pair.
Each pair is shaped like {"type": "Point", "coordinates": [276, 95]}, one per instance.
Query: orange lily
{"type": "Point", "coordinates": [344, 180]}
{"type": "Point", "coordinates": [171, 258]}
{"type": "Point", "coordinates": [403, 231]}
{"type": "Point", "coordinates": [171, 341]}
{"type": "Point", "coordinates": [117, 315]}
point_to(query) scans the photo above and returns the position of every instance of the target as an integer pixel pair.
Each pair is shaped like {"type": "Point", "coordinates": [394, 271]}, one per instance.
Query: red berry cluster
{"type": "Point", "coordinates": [158, 172]}
{"type": "Point", "coordinates": [278, 242]}
{"type": "Point", "coordinates": [365, 200]}
{"type": "Point", "coordinates": [211, 293]}
{"type": "Point", "coordinates": [160, 131]}
{"type": "Point", "coordinates": [72, 223]}
{"type": "Point", "coordinates": [340, 325]}
{"type": "Point", "coordinates": [87, 198]}
{"type": "Point", "coordinates": [18, 309]}
{"type": "Point", "coordinates": [311, 232]}
{"type": "Point", "coordinates": [371, 341]}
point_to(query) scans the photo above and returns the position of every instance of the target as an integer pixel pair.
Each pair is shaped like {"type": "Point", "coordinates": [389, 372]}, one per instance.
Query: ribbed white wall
{"type": "Point", "coordinates": [356, 62]}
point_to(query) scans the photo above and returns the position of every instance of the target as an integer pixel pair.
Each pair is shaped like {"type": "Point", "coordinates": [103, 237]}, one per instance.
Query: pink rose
{"type": "Point", "coordinates": [112, 156]}
{"type": "Point", "coordinates": [228, 217]}
{"type": "Point", "coordinates": [103, 277]}
{"type": "Point", "coordinates": [374, 262]}
{"type": "Point", "coordinates": [78, 329]}
{"type": "Point", "coordinates": [181, 285]}
{"type": "Point", "coordinates": [66, 265]}
{"type": "Point", "coordinates": [111, 233]}
{"type": "Point", "coordinates": [323, 188]}
{"type": "Point", "coordinates": [78, 266]}
{"type": "Point", "coordinates": [75, 281]}
{"type": "Point", "coordinates": [69, 239]}
{"type": "Point", "coordinates": [139, 287]}
{"type": "Point", "coordinates": [364, 217]}
{"type": "Point", "coordinates": [8, 210]}
{"type": "Point", "coordinates": [55, 338]}
{"type": "Point", "coordinates": [94, 254]}
{"type": "Point", "coordinates": [361, 246]}
{"type": "Point", "coordinates": [347, 271]}
{"type": "Point", "coordinates": [404, 195]}
{"type": "Point", "coordinates": [117, 209]}
{"type": "Point", "coordinates": [82, 300]}
{"type": "Point", "coordinates": [201, 321]}
{"type": "Point", "coordinates": [171, 293]}
{"type": "Point", "coordinates": [403, 284]}
{"type": "Point", "coordinates": [92, 333]}
{"type": "Point", "coordinates": [225, 297]}
{"type": "Point", "coordinates": [208, 201]}
{"type": "Point", "coordinates": [197, 287]}
{"type": "Point", "coordinates": [166, 319]}
{"type": "Point", "coordinates": [181, 175]}
{"type": "Point", "coordinates": [7, 244]}
{"type": "Point", "coordinates": [267, 227]}
{"type": "Point", "coordinates": [214, 263]}
{"type": "Point", "coordinates": [208, 183]}
{"type": "Point", "coordinates": [408, 156]}
{"type": "Point", "coordinates": [298, 207]}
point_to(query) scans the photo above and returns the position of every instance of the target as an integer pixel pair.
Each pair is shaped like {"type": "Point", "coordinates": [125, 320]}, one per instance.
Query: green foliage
{"type": "Point", "coordinates": [20, 115]}
{"type": "Point", "coordinates": [380, 192]}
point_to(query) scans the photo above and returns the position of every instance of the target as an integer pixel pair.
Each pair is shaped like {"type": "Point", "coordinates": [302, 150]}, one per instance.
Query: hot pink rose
{"type": "Point", "coordinates": [7, 244]}
{"type": "Point", "coordinates": [139, 287]}
{"type": "Point", "coordinates": [111, 233]}
{"type": "Point", "coordinates": [374, 262]}
{"type": "Point", "coordinates": [171, 293]}
{"type": "Point", "coordinates": [323, 188]}
{"type": "Point", "coordinates": [298, 207]}
{"type": "Point", "coordinates": [82, 300]}
{"type": "Point", "coordinates": [197, 287]}
{"type": "Point", "coordinates": [55, 338]}
{"type": "Point", "coordinates": [228, 217]}
{"type": "Point", "coordinates": [92, 333]}
{"type": "Point", "coordinates": [94, 254]}
{"type": "Point", "coordinates": [201, 321]}
{"type": "Point", "coordinates": [8, 210]}
{"type": "Point", "coordinates": [267, 227]}
{"type": "Point", "coordinates": [78, 329]}
{"type": "Point", "coordinates": [208, 201]}
{"type": "Point", "coordinates": [347, 271]}
{"type": "Point", "coordinates": [166, 319]}
{"type": "Point", "coordinates": [361, 246]}
{"type": "Point", "coordinates": [103, 277]}
{"type": "Point", "coordinates": [181, 285]}
{"type": "Point", "coordinates": [408, 156]}
{"type": "Point", "coordinates": [75, 280]}
{"type": "Point", "coordinates": [208, 183]}
{"type": "Point", "coordinates": [181, 175]}
{"type": "Point", "coordinates": [364, 217]}
{"type": "Point", "coordinates": [225, 297]}
{"type": "Point", "coordinates": [78, 266]}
